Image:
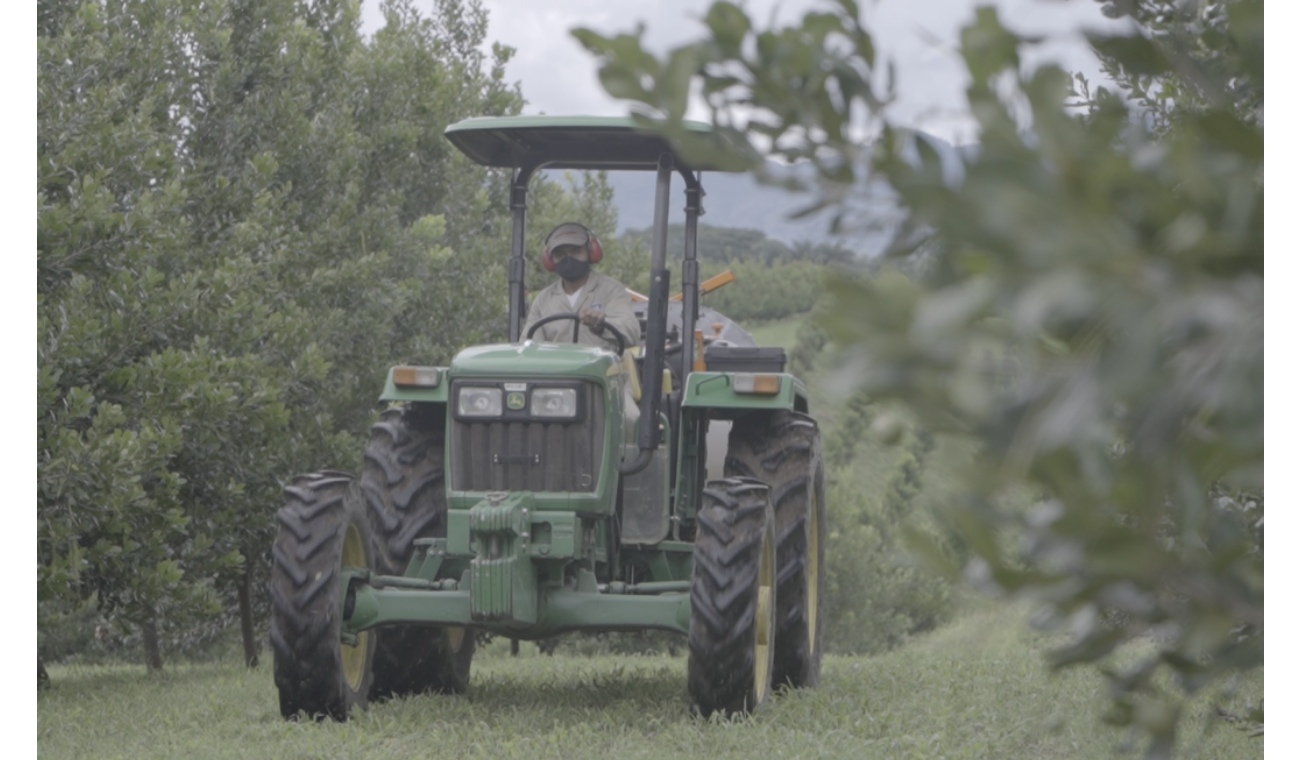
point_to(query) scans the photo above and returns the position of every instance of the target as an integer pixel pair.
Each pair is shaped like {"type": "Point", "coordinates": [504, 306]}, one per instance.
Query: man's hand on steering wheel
{"type": "Point", "coordinates": [594, 319]}
{"type": "Point", "coordinates": [619, 339]}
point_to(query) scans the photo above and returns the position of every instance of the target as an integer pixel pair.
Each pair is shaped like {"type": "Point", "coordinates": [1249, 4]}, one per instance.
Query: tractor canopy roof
{"type": "Point", "coordinates": [585, 142]}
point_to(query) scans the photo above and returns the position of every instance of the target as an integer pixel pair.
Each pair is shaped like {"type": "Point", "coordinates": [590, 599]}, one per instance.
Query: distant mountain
{"type": "Point", "coordinates": [730, 200]}
{"type": "Point", "coordinates": [739, 200]}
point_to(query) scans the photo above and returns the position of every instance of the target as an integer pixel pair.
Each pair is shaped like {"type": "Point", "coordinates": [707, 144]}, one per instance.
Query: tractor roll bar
{"type": "Point", "coordinates": [690, 275]}
{"type": "Point", "coordinates": [652, 380]}
{"type": "Point", "coordinates": [518, 264]}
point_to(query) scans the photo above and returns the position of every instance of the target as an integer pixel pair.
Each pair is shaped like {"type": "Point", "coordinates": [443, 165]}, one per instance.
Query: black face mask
{"type": "Point", "coordinates": [571, 268]}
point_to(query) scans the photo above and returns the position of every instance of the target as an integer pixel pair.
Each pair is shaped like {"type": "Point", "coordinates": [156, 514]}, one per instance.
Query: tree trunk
{"type": "Point", "coordinates": [152, 650]}
{"type": "Point", "coordinates": [246, 615]}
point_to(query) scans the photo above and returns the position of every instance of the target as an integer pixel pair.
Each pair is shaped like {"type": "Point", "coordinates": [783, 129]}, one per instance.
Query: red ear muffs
{"type": "Point", "coordinates": [594, 250]}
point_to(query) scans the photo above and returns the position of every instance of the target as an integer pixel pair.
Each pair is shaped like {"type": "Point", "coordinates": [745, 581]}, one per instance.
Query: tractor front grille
{"type": "Point", "coordinates": [529, 455]}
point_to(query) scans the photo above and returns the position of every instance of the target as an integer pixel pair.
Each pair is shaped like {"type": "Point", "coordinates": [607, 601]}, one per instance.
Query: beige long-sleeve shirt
{"type": "Point", "coordinates": [600, 292]}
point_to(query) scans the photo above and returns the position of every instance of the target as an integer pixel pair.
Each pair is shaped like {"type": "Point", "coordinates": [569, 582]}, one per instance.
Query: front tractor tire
{"type": "Point", "coordinates": [323, 530]}
{"type": "Point", "coordinates": [733, 620]}
{"type": "Point", "coordinates": [783, 449]}
{"type": "Point", "coordinates": [406, 496]}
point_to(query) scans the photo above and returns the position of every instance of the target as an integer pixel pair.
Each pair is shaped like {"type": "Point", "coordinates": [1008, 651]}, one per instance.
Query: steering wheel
{"type": "Point", "coordinates": [619, 338]}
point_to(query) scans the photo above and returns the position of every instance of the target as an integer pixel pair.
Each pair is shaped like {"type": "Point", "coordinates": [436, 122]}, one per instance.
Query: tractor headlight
{"type": "Point", "coordinates": [479, 402]}
{"type": "Point", "coordinates": [554, 402]}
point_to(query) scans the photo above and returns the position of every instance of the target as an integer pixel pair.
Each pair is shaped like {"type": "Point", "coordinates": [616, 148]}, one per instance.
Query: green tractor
{"type": "Point", "coordinates": [531, 489]}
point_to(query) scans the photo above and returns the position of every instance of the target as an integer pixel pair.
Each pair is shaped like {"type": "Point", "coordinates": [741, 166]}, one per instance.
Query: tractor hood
{"type": "Point", "coordinates": [533, 359]}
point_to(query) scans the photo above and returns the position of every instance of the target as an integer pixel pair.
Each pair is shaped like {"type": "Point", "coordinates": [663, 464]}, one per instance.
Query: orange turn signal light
{"type": "Point", "coordinates": [759, 385]}
{"type": "Point", "coordinates": [416, 377]}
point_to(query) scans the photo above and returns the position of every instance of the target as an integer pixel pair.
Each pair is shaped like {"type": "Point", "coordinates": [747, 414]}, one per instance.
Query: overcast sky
{"type": "Point", "coordinates": [559, 77]}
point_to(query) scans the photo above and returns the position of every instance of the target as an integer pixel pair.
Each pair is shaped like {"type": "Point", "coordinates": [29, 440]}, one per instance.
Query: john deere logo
{"type": "Point", "coordinates": [515, 400]}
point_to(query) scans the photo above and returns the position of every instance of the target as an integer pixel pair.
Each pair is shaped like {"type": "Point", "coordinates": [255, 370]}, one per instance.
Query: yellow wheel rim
{"type": "Point", "coordinates": [354, 657]}
{"type": "Point", "coordinates": [763, 633]}
{"type": "Point", "coordinates": [455, 638]}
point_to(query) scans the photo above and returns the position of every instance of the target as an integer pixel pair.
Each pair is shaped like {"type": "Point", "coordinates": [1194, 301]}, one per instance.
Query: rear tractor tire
{"type": "Point", "coordinates": [406, 497]}
{"type": "Point", "coordinates": [733, 605]}
{"type": "Point", "coordinates": [322, 530]}
{"type": "Point", "coordinates": [783, 449]}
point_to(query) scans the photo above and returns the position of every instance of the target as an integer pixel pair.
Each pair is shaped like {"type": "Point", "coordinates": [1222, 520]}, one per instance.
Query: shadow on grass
{"type": "Point", "coordinates": [576, 684]}
{"type": "Point", "coordinates": [568, 692]}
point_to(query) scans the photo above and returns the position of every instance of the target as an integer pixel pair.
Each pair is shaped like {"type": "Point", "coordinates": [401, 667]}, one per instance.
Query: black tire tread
{"type": "Point", "coordinates": [729, 542]}
{"type": "Point", "coordinates": [305, 615]}
{"type": "Point", "coordinates": [783, 449]}
{"type": "Point", "coordinates": [404, 488]}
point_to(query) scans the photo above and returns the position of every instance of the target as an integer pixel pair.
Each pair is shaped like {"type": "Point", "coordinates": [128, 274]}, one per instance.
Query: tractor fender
{"type": "Point", "coordinates": [432, 384]}
{"type": "Point", "coordinates": [730, 394]}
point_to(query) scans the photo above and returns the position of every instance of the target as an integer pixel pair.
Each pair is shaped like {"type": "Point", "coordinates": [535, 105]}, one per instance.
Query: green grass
{"type": "Point", "coordinates": [975, 689]}
{"type": "Point", "coordinates": [781, 332]}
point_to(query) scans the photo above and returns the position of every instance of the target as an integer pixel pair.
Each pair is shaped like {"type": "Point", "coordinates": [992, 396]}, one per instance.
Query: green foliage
{"type": "Point", "coordinates": [810, 342]}
{"type": "Point", "coordinates": [1090, 309]}
{"type": "Point", "coordinates": [246, 212]}
{"type": "Point", "coordinates": [885, 479]}
{"type": "Point", "coordinates": [732, 244]}
{"type": "Point", "coordinates": [773, 280]}
{"type": "Point", "coordinates": [768, 292]}
{"type": "Point", "coordinates": [877, 596]}
{"type": "Point", "coordinates": [1205, 43]}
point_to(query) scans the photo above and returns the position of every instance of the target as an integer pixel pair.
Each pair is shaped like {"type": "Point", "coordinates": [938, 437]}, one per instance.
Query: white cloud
{"type": "Point", "coordinates": [558, 77]}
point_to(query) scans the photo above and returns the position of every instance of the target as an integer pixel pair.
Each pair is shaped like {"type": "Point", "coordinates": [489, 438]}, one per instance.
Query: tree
{"type": "Point", "coordinates": [234, 242]}
{"type": "Point", "coordinates": [110, 250]}
{"type": "Point", "coordinates": [1091, 308]}
{"type": "Point", "coordinates": [1187, 62]}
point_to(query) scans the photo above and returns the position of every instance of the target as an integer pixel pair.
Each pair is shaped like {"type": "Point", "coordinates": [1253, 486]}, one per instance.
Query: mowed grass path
{"type": "Point", "coordinates": [974, 690]}
{"type": "Point", "coordinates": [782, 332]}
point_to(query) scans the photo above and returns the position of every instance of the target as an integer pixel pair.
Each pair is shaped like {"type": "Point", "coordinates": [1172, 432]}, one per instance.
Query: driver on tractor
{"type": "Point", "coordinates": [597, 299]}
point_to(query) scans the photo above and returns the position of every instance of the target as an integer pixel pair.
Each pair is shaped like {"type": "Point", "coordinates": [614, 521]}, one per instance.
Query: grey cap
{"type": "Point", "coordinates": [570, 233]}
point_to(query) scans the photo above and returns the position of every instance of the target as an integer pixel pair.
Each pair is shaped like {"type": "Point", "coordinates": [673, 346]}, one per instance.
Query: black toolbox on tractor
{"type": "Point", "coordinates": [744, 358]}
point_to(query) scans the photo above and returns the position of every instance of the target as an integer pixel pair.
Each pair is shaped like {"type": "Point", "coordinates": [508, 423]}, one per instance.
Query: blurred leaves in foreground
{"type": "Point", "coordinates": [1085, 297]}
